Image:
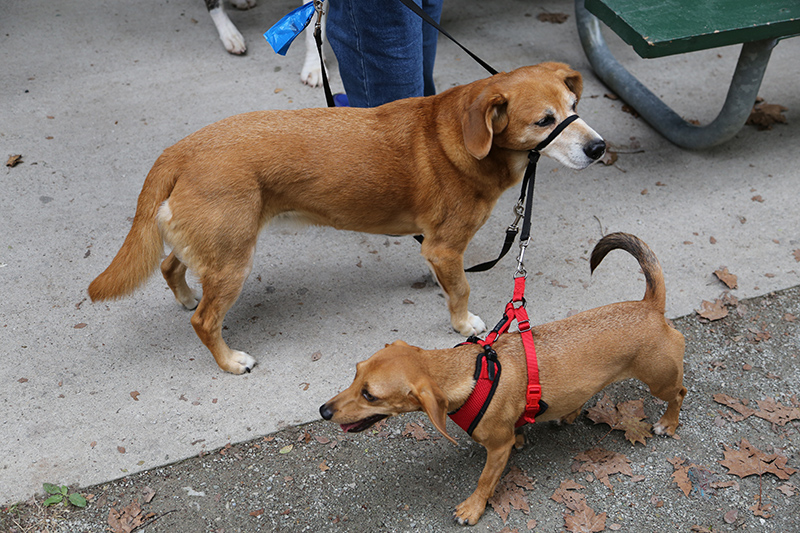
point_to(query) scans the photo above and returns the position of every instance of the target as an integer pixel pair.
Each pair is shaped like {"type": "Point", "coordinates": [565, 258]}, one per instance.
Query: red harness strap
{"type": "Point", "coordinates": [487, 371]}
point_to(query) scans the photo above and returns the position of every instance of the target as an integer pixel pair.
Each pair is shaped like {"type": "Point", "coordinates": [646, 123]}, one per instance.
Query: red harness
{"type": "Point", "coordinates": [487, 368]}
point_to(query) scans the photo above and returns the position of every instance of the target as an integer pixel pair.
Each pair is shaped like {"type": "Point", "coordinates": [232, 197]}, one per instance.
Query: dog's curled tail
{"type": "Point", "coordinates": [143, 247]}
{"type": "Point", "coordinates": [655, 293]}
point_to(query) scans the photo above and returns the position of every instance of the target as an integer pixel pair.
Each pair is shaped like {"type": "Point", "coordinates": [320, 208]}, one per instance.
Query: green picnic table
{"type": "Point", "coordinates": [658, 28]}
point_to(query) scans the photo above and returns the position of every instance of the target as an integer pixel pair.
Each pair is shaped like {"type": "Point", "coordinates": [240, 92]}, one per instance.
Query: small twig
{"type": "Point", "coordinates": [602, 233]}
{"type": "Point", "coordinates": [152, 520]}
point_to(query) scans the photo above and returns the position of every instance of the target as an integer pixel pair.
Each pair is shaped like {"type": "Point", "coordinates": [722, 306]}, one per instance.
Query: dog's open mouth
{"type": "Point", "coordinates": [361, 425]}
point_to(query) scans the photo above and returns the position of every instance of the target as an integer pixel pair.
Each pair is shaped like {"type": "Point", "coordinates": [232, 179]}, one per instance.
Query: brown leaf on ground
{"type": "Point", "coordinates": [712, 311]}
{"type": "Point", "coordinates": [14, 160]}
{"type": "Point", "coordinates": [553, 18]}
{"type": "Point", "coordinates": [759, 509]}
{"type": "Point", "coordinates": [788, 489]}
{"type": "Point", "coordinates": [735, 404]}
{"type": "Point", "coordinates": [764, 115]}
{"type": "Point", "coordinates": [627, 417]}
{"type": "Point", "coordinates": [777, 413]}
{"type": "Point", "coordinates": [609, 158]}
{"type": "Point", "coordinates": [796, 254]}
{"type": "Point", "coordinates": [603, 463]}
{"type": "Point", "coordinates": [510, 493]}
{"type": "Point", "coordinates": [604, 412]}
{"type": "Point", "coordinates": [585, 520]}
{"type": "Point", "coordinates": [565, 493]}
{"type": "Point", "coordinates": [415, 430]}
{"type": "Point", "coordinates": [148, 494]}
{"type": "Point", "coordinates": [726, 277]}
{"type": "Point", "coordinates": [126, 520]}
{"type": "Point", "coordinates": [749, 460]}
{"type": "Point", "coordinates": [694, 479]}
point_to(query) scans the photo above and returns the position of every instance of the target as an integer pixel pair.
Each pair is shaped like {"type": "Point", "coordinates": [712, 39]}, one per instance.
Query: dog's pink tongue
{"type": "Point", "coordinates": [348, 427]}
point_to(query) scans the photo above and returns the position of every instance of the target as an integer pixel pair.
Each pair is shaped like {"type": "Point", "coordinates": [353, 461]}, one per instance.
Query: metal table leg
{"type": "Point", "coordinates": [741, 96]}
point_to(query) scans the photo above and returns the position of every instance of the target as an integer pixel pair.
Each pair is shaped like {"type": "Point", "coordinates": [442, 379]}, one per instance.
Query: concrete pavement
{"type": "Point", "coordinates": [94, 90]}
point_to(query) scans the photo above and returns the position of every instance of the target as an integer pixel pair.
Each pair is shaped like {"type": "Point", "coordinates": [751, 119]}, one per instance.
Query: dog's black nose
{"type": "Point", "coordinates": [595, 149]}
{"type": "Point", "coordinates": [326, 412]}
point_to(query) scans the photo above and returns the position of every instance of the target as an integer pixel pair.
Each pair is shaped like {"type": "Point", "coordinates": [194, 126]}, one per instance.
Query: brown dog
{"type": "Point", "coordinates": [578, 356]}
{"type": "Point", "coordinates": [433, 166]}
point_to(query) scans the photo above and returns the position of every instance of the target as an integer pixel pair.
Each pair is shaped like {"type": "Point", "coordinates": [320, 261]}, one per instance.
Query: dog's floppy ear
{"type": "Point", "coordinates": [572, 78]}
{"type": "Point", "coordinates": [574, 82]}
{"type": "Point", "coordinates": [485, 118]}
{"type": "Point", "coordinates": [432, 400]}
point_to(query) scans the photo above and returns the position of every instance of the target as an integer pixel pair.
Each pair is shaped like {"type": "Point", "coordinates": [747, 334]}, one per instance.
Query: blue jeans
{"type": "Point", "coordinates": [385, 51]}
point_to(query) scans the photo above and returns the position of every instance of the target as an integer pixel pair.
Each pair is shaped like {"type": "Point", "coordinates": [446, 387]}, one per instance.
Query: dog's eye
{"type": "Point", "coordinates": [546, 121]}
{"type": "Point", "coordinates": [367, 396]}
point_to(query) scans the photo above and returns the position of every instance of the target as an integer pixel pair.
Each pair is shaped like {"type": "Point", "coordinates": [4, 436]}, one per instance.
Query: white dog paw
{"type": "Point", "coordinates": [311, 73]}
{"type": "Point", "coordinates": [241, 362]}
{"type": "Point", "coordinates": [244, 4]}
{"type": "Point", "coordinates": [473, 326]}
{"type": "Point", "coordinates": [311, 76]}
{"type": "Point", "coordinates": [188, 299]}
{"type": "Point", "coordinates": [231, 39]}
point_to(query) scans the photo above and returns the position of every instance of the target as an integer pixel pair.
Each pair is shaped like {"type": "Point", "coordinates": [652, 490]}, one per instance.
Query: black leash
{"type": "Point", "coordinates": [318, 39]}
{"type": "Point", "coordinates": [427, 18]}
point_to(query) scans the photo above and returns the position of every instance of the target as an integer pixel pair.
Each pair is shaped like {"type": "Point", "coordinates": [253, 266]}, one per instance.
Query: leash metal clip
{"type": "Point", "coordinates": [519, 212]}
{"type": "Point", "coordinates": [521, 272]}
{"type": "Point", "coordinates": [318, 8]}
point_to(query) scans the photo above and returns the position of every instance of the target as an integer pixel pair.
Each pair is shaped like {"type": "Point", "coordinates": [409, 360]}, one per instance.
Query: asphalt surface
{"type": "Point", "coordinates": [401, 476]}
{"type": "Point", "coordinates": [93, 91]}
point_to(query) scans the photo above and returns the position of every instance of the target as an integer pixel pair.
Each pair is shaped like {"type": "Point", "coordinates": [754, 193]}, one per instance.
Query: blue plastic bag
{"type": "Point", "coordinates": [281, 35]}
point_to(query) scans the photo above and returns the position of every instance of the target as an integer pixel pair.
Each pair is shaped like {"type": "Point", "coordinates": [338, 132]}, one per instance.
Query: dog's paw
{"type": "Point", "coordinates": [469, 511]}
{"type": "Point", "coordinates": [473, 326]}
{"type": "Point", "coordinates": [240, 362]}
{"type": "Point", "coordinates": [188, 299]}
{"type": "Point", "coordinates": [244, 4]}
{"type": "Point", "coordinates": [311, 73]}
{"type": "Point", "coordinates": [231, 39]}
{"type": "Point", "coordinates": [663, 427]}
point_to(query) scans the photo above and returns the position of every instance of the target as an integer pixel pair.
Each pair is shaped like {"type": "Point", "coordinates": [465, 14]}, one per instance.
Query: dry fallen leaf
{"type": "Point", "coordinates": [712, 311]}
{"type": "Point", "coordinates": [726, 277]}
{"type": "Point", "coordinates": [126, 520]}
{"type": "Point", "coordinates": [510, 493]}
{"type": "Point", "coordinates": [777, 413]}
{"type": "Point", "coordinates": [135, 395]}
{"type": "Point", "coordinates": [749, 460]}
{"type": "Point", "coordinates": [14, 160]}
{"type": "Point", "coordinates": [585, 520]}
{"type": "Point", "coordinates": [415, 430]}
{"type": "Point", "coordinates": [553, 18]}
{"type": "Point", "coordinates": [626, 416]}
{"type": "Point", "coordinates": [736, 405]}
{"type": "Point", "coordinates": [603, 463]}
{"type": "Point", "coordinates": [148, 494]}
{"type": "Point", "coordinates": [763, 115]}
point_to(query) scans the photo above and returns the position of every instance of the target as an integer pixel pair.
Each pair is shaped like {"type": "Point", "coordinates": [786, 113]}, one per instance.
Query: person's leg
{"type": "Point", "coordinates": [379, 47]}
{"type": "Point", "coordinates": [430, 36]}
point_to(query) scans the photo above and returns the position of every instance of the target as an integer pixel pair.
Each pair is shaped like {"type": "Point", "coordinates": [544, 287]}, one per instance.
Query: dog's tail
{"type": "Point", "coordinates": [655, 293]}
{"type": "Point", "coordinates": [143, 247]}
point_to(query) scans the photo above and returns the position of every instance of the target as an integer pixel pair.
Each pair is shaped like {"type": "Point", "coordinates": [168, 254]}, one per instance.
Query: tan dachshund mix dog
{"type": "Point", "coordinates": [578, 356]}
{"type": "Point", "coordinates": [433, 166]}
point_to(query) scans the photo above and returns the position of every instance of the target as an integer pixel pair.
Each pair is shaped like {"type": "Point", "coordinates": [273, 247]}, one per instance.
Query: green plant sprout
{"type": "Point", "coordinates": [61, 494]}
